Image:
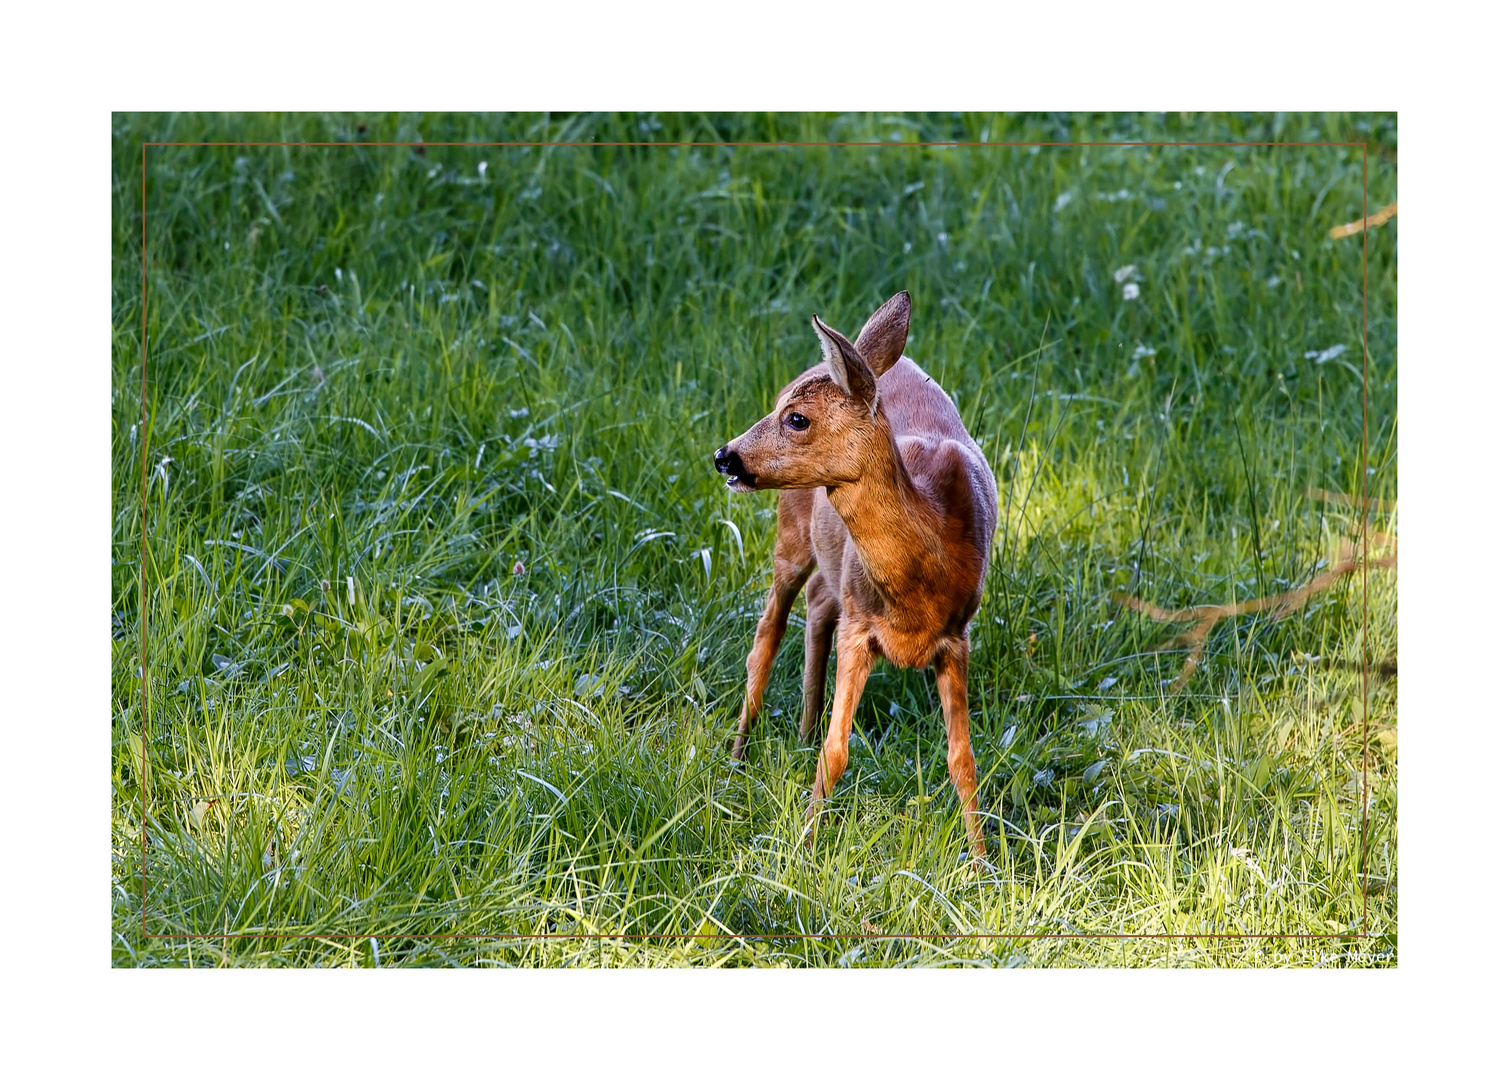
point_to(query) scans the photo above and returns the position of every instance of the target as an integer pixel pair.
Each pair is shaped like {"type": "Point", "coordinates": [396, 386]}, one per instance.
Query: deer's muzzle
{"type": "Point", "coordinates": [730, 464]}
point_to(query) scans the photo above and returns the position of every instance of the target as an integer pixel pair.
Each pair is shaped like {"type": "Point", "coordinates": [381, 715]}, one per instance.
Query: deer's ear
{"type": "Point", "coordinates": [884, 335]}
{"type": "Point", "coordinates": [849, 371]}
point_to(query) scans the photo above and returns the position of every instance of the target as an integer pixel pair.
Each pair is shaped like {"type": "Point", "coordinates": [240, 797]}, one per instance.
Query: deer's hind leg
{"type": "Point", "coordinates": [952, 666]}
{"type": "Point", "coordinates": [822, 619]}
{"type": "Point", "coordinates": [794, 562]}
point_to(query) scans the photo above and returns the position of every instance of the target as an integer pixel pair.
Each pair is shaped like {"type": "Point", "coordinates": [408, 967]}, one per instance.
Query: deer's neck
{"type": "Point", "coordinates": [895, 529]}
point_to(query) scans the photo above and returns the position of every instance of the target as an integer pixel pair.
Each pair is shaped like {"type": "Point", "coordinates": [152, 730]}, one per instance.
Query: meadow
{"type": "Point", "coordinates": [446, 609]}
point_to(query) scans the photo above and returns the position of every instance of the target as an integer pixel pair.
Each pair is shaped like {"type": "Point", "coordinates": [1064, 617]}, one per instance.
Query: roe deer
{"type": "Point", "coordinates": [887, 510]}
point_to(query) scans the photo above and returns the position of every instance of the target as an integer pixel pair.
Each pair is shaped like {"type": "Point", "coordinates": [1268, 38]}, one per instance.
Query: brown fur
{"type": "Point", "coordinates": [887, 510]}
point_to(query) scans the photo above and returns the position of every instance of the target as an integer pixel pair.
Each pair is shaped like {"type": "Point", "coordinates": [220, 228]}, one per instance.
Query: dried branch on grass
{"type": "Point", "coordinates": [1364, 223]}
{"type": "Point", "coordinates": [1343, 499]}
{"type": "Point", "coordinates": [1382, 553]}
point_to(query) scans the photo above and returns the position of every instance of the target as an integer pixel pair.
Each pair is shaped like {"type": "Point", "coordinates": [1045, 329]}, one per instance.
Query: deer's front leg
{"type": "Point", "coordinates": [952, 667]}
{"type": "Point", "coordinates": [783, 590]}
{"type": "Point", "coordinates": [855, 658]}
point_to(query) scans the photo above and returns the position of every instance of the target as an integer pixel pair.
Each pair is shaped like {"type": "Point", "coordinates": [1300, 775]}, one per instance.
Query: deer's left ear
{"type": "Point", "coordinates": [848, 369]}
{"type": "Point", "coordinates": [884, 335]}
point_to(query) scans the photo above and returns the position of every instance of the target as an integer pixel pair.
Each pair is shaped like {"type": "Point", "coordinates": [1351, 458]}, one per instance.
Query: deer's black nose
{"type": "Point", "coordinates": [730, 464]}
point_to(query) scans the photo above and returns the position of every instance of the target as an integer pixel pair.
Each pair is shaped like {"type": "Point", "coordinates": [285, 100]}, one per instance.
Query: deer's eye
{"type": "Point", "coordinates": [797, 421]}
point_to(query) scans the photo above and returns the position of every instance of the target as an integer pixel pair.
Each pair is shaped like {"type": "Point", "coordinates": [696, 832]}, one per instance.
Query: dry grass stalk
{"type": "Point", "coordinates": [1364, 223]}
{"type": "Point", "coordinates": [1343, 499]}
{"type": "Point", "coordinates": [1383, 553]}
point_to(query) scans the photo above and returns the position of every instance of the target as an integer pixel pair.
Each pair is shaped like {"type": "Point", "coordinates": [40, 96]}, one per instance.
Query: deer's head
{"type": "Point", "coordinates": [824, 422]}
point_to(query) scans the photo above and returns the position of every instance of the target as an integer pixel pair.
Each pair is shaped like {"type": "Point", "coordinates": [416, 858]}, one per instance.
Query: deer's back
{"type": "Point", "coordinates": [943, 459]}
{"type": "Point", "coordinates": [916, 405]}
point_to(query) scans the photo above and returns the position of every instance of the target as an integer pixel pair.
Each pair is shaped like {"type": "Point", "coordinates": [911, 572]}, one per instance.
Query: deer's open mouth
{"type": "Point", "coordinates": [741, 482]}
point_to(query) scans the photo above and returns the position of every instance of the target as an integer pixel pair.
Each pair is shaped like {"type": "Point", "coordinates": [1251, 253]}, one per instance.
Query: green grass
{"type": "Point", "coordinates": [447, 609]}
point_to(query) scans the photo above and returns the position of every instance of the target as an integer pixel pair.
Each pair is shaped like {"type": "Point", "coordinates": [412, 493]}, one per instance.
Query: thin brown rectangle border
{"type": "Point", "coordinates": [961, 144]}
